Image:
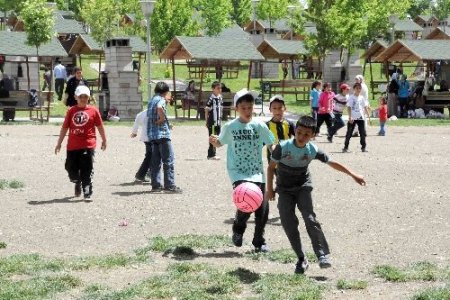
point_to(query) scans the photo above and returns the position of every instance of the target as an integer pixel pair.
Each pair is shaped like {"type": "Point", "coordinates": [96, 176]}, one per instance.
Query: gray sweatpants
{"type": "Point", "coordinates": [287, 201]}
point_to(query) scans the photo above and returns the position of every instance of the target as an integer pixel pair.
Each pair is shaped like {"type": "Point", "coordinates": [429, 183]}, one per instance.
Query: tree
{"type": "Point", "coordinates": [272, 10]}
{"type": "Point", "coordinates": [39, 23]}
{"type": "Point", "coordinates": [242, 11]}
{"type": "Point", "coordinates": [169, 19]}
{"type": "Point", "coordinates": [419, 7]}
{"type": "Point", "coordinates": [103, 17]}
{"type": "Point", "coordinates": [441, 9]}
{"type": "Point", "coordinates": [215, 15]}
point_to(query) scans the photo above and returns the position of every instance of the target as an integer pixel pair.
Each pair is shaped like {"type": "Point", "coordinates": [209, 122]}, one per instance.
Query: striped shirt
{"type": "Point", "coordinates": [283, 130]}
{"type": "Point", "coordinates": [154, 131]}
{"type": "Point", "coordinates": [214, 103]}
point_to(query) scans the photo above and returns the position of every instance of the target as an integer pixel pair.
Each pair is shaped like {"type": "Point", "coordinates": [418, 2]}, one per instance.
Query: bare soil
{"type": "Point", "coordinates": [401, 216]}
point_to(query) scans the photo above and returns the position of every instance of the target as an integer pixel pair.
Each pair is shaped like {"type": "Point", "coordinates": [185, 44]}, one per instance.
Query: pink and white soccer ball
{"type": "Point", "coordinates": [247, 197]}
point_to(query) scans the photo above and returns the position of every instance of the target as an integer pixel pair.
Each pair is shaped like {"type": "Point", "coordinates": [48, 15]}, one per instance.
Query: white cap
{"type": "Point", "coordinates": [82, 90]}
{"type": "Point", "coordinates": [276, 97]}
{"type": "Point", "coordinates": [359, 77]}
{"type": "Point", "coordinates": [242, 93]}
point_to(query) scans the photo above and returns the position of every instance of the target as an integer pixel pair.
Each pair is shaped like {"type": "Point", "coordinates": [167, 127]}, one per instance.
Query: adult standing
{"type": "Point", "coordinates": [392, 95]}
{"type": "Point", "coordinates": [364, 93]}
{"type": "Point", "coordinates": [60, 78]}
{"type": "Point", "coordinates": [72, 85]}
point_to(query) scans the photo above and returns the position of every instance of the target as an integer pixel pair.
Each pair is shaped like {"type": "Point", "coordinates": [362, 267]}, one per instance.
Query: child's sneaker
{"type": "Point", "coordinates": [263, 248]}
{"type": "Point", "coordinates": [237, 239]}
{"type": "Point", "coordinates": [364, 150]}
{"type": "Point", "coordinates": [157, 189]}
{"type": "Point", "coordinates": [345, 150]}
{"type": "Point", "coordinates": [142, 179]}
{"type": "Point", "coordinates": [324, 262]}
{"type": "Point", "coordinates": [301, 266]}
{"type": "Point", "coordinates": [78, 189]}
{"type": "Point", "coordinates": [87, 192]}
{"type": "Point", "coordinates": [173, 190]}
{"type": "Point", "coordinates": [330, 138]}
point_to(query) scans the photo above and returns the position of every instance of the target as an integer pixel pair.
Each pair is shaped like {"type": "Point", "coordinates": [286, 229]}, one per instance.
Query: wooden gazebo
{"type": "Point", "coordinates": [374, 50]}
{"type": "Point", "coordinates": [207, 49]}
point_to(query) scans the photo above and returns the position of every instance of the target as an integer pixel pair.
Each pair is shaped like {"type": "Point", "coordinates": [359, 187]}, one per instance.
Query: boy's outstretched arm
{"type": "Point", "coordinates": [337, 166]}
{"type": "Point", "coordinates": [270, 193]}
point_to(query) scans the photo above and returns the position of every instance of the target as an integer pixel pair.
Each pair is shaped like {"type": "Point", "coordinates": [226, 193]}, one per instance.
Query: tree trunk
{"type": "Point", "coordinates": [347, 64]}
{"type": "Point", "coordinates": [38, 67]}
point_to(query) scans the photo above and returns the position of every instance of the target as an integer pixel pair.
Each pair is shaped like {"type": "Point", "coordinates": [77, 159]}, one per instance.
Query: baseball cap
{"type": "Point", "coordinates": [344, 86]}
{"type": "Point", "coordinates": [242, 93]}
{"type": "Point", "coordinates": [276, 97]}
{"type": "Point", "coordinates": [359, 77]}
{"type": "Point", "coordinates": [82, 90]}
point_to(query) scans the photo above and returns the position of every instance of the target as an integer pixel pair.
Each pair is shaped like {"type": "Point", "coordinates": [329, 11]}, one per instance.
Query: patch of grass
{"type": "Point", "coordinates": [414, 122]}
{"type": "Point", "coordinates": [425, 271]}
{"type": "Point", "coordinates": [390, 273]}
{"type": "Point", "coordinates": [282, 286]}
{"type": "Point", "coordinates": [29, 264]}
{"type": "Point", "coordinates": [37, 287]}
{"type": "Point", "coordinates": [195, 242]}
{"type": "Point", "coordinates": [183, 281]}
{"type": "Point", "coordinates": [2, 245]}
{"type": "Point", "coordinates": [105, 262]}
{"type": "Point", "coordinates": [343, 284]}
{"type": "Point", "coordinates": [12, 184]}
{"type": "Point", "coordinates": [95, 291]}
{"type": "Point", "coordinates": [284, 256]}
{"type": "Point", "coordinates": [436, 293]}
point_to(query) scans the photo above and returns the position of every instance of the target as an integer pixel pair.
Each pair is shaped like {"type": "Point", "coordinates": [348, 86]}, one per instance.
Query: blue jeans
{"type": "Point", "coordinates": [162, 152]}
{"type": "Point", "coordinates": [382, 128]}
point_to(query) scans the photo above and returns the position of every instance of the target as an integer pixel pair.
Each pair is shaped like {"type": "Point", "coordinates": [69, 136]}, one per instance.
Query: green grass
{"type": "Point", "coordinates": [423, 271]}
{"type": "Point", "coordinates": [2, 245]}
{"type": "Point", "coordinates": [37, 287]}
{"type": "Point", "coordinates": [12, 184]}
{"type": "Point", "coordinates": [435, 293]}
{"type": "Point", "coordinates": [415, 122]}
{"type": "Point", "coordinates": [343, 284]}
{"type": "Point", "coordinates": [284, 256]}
{"type": "Point", "coordinates": [282, 286]}
{"type": "Point", "coordinates": [195, 242]}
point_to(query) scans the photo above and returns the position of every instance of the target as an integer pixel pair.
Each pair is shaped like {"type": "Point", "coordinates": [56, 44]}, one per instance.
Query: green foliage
{"type": "Point", "coordinates": [215, 15]}
{"type": "Point", "coordinates": [282, 286]}
{"type": "Point", "coordinates": [9, 5]}
{"type": "Point", "coordinates": [242, 11]}
{"type": "Point", "coordinates": [441, 9]}
{"type": "Point", "coordinates": [103, 18]}
{"type": "Point", "coordinates": [272, 10]}
{"type": "Point", "coordinates": [419, 7]}
{"type": "Point", "coordinates": [169, 19]}
{"type": "Point", "coordinates": [2, 245]}
{"type": "Point", "coordinates": [344, 284]}
{"type": "Point", "coordinates": [13, 184]}
{"type": "Point", "coordinates": [435, 293]}
{"type": "Point", "coordinates": [37, 288]}
{"type": "Point", "coordinates": [424, 271]}
{"type": "Point", "coordinates": [199, 242]}
{"type": "Point", "coordinates": [38, 22]}
{"type": "Point", "coordinates": [390, 273]}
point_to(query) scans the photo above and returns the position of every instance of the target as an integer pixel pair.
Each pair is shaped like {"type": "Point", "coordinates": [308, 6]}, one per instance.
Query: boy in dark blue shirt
{"type": "Point", "coordinates": [291, 159]}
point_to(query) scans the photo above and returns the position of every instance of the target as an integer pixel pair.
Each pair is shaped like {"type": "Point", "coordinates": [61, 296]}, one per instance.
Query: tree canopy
{"type": "Point", "coordinates": [103, 18]}
{"type": "Point", "coordinates": [272, 10]}
{"type": "Point", "coordinates": [242, 11]}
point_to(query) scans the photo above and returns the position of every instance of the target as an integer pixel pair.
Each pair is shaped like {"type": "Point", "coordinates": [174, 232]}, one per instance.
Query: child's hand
{"type": "Point", "coordinates": [270, 195]}
{"type": "Point", "coordinates": [103, 145]}
{"type": "Point", "coordinates": [133, 135]}
{"type": "Point", "coordinates": [213, 139]}
{"type": "Point", "coordinates": [359, 179]}
{"type": "Point", "coordinates": [57, 148]}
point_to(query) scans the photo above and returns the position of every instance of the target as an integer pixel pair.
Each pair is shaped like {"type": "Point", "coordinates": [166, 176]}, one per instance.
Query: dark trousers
{"type": "Point", "coordinates": [314, 111]}
{"type": "Point", "coordinates": [362, 132]}
{"type": "Point", "coordinates": [337, 124]}
{"type": "Point", "coordinates": [287, 202]}
{"type": "Point", "coordinates": [59, 87]}
{"type": "Point", "coordinates": [261, 217]}
{"type": "Point", "coordinates": [324, 118]}
{"type": "Point", "coordinates": [212, 149]}
{"type": "Point", "coordinates": [80, 166]}
{"type": "Point", "coordinates": [146, 163]}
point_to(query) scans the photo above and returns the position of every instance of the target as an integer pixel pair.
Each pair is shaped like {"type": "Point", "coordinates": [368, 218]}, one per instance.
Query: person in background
{"type": "Point", "coordinates": [144, 170]}
{"type": "Point", "coordinates": [72, 84]}
{"type": "Point", "coordinates": [47, 76]}
{"type": "Point", "coordinates": [214, 111]}
{"type": "Point", "coordinates": [325, 112]}
{"type": "Point", "coordinates": [340, 101]}
{"type": "Point", "coordinates": [60, 74]}
{"type": "Point", "coordinates": [314, 96]}
{"type": "Point", "coordinates": [403, 95]}
{"type": "Point", "coordinates": [382, 114]}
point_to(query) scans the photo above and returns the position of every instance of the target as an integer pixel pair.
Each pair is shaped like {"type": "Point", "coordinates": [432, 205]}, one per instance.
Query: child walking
{"type": "Point", "coordinates": [293, 185]}
{"type": "Point", "coordinates": [358, 108]}
{"type": "Point", "coordinates": [281, 128]}
{"type": "Point", "coordinates": [214, 111]}
{"type": "Point", "coordinates": [81, 121]}
{"type": "Point", "coordinates": [340, 102]}
{"type": "Point", "coordinates": [159, 134]}
{"type": "Point", "coordinates": [141, 120]}
{"type": "Point", "coordinates": [245, 138]}
{"type": "Point", "coordinates": [314, 96]}
{"type": "Point", "coordinates": [325, 112]}
{"type": "Point", "coordinates": [383, 115]}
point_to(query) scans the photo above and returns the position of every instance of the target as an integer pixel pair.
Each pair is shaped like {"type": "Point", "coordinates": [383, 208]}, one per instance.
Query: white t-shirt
{"type": "Point", "coordinates": [141, 121]}
{"type": "Point", "coordinates": [357, 104]}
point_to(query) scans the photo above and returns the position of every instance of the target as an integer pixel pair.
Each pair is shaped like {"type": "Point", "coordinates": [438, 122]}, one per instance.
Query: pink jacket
{"type": "Point", "coordinates": [326, 102]}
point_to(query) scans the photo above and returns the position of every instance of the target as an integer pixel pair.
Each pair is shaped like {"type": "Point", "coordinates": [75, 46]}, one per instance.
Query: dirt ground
{"type": "Point", "coordinates": [401, 216]}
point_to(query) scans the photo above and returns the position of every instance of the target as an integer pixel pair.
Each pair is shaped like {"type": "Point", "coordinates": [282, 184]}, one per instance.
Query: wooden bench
{"type": "Point", "coordinates": [18, 101]}
{"type": "Point", "coordinates": [230, 70]}
{"type": "Point", "coordinates": [437, 100]}
{"type": "Point", "coordinates": [291, 87]}
{"type": "Point", "coordinates": [199, 104]}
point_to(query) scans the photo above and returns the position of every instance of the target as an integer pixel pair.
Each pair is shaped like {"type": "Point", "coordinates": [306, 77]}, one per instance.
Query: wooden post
{"type": "Point", "coordinates": [28, 72]}
{"type": "Point", "coordinates": [174, 87]}
{"type": "Point", "coordinates": [249, 74]}
{"type": "Point", "coordinates": [371, 76]}
{"type": "Point", "coordinates": [99, 71]}
{"type": "Point", "coordinates": [202, 73]}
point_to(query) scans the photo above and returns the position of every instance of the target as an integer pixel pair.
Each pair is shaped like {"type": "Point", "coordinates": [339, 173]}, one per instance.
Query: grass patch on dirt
{"type": "Point", "coordinates": [2, 245]}
{"type": "Point", "coordinates": [12, 184]}
{"type": "Point", "coordinates": [435, 293]}
{"type": "Point", "coordinates": [344, 284]}
{"type": "Point", "coordinates": [37, 287]}
{"type": "Point", "coordinates": [424, 271]}
{"type": "Point", "coordinates": [284, 256]}
{"type": "Point", "coordinates": [184, 243]}
{"type": "Point", "coordinates": [283, 286]}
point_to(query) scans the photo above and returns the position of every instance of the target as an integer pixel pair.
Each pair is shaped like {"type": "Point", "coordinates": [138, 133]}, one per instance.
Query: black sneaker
{"type": "Point", "coordinates": [345, 150]}
{"type": "Point", "coordinates": [140, 179]}
{"type": "Point", "coordinates": [263, 248]}
{"type": "Point", "coordinates": [77, 189]}
{"type": "Point", "coordinates": [301, 266]}
{"type": "Point", "coordinates": [173, 190]}
{"type": "Point", "coordinates": [157, 189]}
{"type": "Point", "coordinates": [330, 138]}
{"type": "Point", "coordinates": [324, 262]}
{"type": "Point", "coordinates": [237, 239]}
{"type": "Point", "coordinates": [87, 192]}
{"type": "Point", "coordinates": [364, 150]}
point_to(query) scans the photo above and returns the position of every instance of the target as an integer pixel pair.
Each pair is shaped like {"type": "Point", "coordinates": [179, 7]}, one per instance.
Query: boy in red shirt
{"type": "Point", "coordinates": [383, 113]}
{"type": "Point", "coordinates": [81, 121]}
